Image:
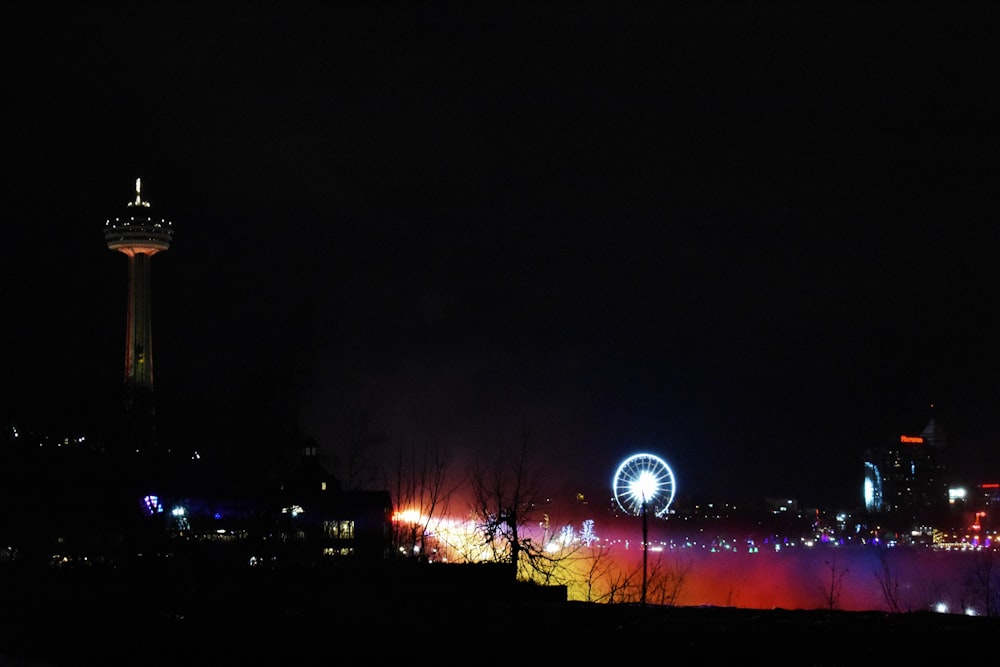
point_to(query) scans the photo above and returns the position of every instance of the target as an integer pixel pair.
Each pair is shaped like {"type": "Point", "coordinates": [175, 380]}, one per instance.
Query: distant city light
{"type": "Point", "coordinates": [294, 510]}
{"type": "Point", "coordinates": [152, 505]}
{"type": "Point", "coordinates": [407, 516]}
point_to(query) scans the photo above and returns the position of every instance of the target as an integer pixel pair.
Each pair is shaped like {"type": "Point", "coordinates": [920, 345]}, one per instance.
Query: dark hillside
{"type": "Point", "coordinates": [319, 618]}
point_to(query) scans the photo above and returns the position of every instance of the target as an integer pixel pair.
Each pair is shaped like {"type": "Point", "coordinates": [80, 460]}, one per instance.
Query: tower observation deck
{"type": "Point", "coordinates": [139, 235]}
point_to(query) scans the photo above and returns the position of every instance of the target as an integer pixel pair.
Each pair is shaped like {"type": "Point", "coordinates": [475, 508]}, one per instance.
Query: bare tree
{"type": "Point", "coordinates": [625, 586]}
{"type": "Point", "coordinates": [597, 564]}
{"type": "Point", "coordinates": [600, 578]}
{"type": "Point", "coordinates": [982, 581]}
{"type": "Point", "coordinates": [421, 493]}
{"type": "Point", "coordinates": [666, 580]}
{"type": "Point", "coordinates": [552, 560]}
{"type": "Point", "coordinates": [835, 584]}
{"type": "Point", "coordinates": [506, 496]}
{"type": "Point", "coordinates": [503, 496]}
{"type": "Point", "coordinates": [887, 580]}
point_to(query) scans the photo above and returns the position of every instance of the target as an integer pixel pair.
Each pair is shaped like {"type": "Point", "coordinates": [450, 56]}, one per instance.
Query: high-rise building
{"type": "Point", "coordinates": [906, 481]}
{"type": "Point", "coordinates": [139, 235]}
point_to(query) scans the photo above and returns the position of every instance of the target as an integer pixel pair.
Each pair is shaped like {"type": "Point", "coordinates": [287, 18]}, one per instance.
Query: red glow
{"type": "Point", "coordinates": [911, 438]}
{"type": "Point", "coordinates": [799, 577]}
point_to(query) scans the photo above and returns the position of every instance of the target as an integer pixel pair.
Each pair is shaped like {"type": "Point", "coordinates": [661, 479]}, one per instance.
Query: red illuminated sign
{"type": "Point", "coordinates": [911, 438]}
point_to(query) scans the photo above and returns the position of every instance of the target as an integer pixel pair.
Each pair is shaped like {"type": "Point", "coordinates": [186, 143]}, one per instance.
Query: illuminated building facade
{"type": "Point", "coordinates": [906, 482]}
{"type": "Point", "coordinates": [319, 521]}
{"type": "Point", "coordinates": [138, 235]}
{"type": "Point", "coordinates": [985, 506]}
{"type": "Point", "coordinates": [873, 487]}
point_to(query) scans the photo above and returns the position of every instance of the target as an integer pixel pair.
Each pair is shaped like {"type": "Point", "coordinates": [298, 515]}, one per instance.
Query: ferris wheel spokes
{"type": "Point", "coordinates": [644, 482]}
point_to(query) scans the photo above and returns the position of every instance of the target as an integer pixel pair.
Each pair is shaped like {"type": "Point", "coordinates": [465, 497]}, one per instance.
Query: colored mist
{"type": "Point", "coordinates": [853, 578]}
{"type": "Point", "coordinates": [607, 566]}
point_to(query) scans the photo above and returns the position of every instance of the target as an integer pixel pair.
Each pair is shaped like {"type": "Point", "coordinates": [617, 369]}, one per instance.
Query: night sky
{"type": "Point", "coordinates": [755, 239]}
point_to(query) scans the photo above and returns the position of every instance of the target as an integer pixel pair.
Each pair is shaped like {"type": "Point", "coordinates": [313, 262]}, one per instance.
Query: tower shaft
{"type": "Point", "coordinates": [139, 329]}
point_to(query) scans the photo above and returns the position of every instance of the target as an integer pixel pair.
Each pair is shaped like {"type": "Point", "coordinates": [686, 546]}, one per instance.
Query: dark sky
{"type": "Point", "coordinates": [753, 238]}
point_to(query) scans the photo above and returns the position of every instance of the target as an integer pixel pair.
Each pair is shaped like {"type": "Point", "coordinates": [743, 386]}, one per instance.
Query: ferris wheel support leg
{"type": "Point", "coordinates": [645, 551]}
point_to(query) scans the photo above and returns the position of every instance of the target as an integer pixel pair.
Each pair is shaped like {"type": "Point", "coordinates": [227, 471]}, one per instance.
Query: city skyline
{"type": "Point", "coordinates": [755, 241]}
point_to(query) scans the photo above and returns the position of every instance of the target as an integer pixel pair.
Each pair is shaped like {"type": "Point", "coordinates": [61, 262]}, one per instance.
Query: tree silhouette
{"type": "Point", "coordinates": [421, 496]}
{"type": "Point", "coordinates": [981, 581]}
{"type": "Point", "coordinates": [887, 580]}
{"type": "Point", "coordinates": [506, 500]}
{"type": "Point", "coordinates": [834, 585]}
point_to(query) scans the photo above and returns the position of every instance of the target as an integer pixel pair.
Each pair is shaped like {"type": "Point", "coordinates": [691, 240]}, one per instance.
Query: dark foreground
{"type": "Point", "coordinates": [387, 617]}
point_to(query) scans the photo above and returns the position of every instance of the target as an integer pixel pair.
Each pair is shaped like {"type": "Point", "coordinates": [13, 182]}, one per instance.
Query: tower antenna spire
{"type": "Point", "coordinates": [138, 196]}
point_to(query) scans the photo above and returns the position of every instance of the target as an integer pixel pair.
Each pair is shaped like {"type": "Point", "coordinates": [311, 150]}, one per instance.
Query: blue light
{"type": "Point", "coordinates": [151, 504]}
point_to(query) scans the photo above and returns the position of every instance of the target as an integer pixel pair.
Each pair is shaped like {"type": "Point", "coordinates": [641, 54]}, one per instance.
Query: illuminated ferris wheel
{"type": "Point", "coordinates": [644, 481]}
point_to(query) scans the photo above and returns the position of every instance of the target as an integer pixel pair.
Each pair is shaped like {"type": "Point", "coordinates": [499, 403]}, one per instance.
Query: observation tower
{"type": "Point", "coordinates": [139, 235]}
